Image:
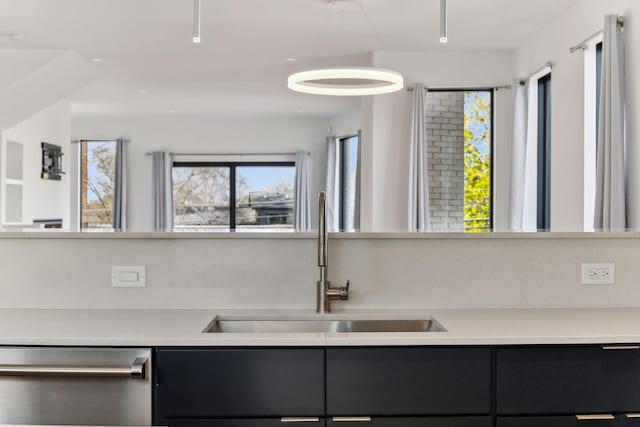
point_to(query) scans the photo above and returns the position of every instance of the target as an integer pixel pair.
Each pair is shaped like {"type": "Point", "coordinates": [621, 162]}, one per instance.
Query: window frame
{"type": "Point", "coordinates": [232, 165]}
{"type": "Point", "coordinates": [544, 153]}
{"type": "Point", "coordinates": [492, 91]}
{"type": "Point", "coordinates": [341, 176]}
{"type": "Point", "coordinates": [80, 187]}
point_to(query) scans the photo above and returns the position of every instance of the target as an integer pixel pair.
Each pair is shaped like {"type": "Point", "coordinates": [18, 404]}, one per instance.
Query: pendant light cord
{"type": "Point", "coordinates": [320, 35]}
{"type": "Point", "coordinates": [370, 22]}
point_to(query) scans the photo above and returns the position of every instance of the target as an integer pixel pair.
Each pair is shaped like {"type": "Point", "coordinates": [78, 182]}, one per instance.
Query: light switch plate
{"type": "Point", "coordinates": [129, 276]}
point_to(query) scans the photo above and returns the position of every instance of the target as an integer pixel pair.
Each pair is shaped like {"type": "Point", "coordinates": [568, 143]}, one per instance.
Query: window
{"type": "Point", "coordinates": [349, 147]}
{"type": "Point", "coordinates": [97, 184]}
{"type": "Point", "coordinates": [460, 157]}
{"type": "Point", "coordinates": [544, 153]}
{"type": "Point", "coordinates": [223, 196]}
{"type": "Point", "coordinates": [592, 90]}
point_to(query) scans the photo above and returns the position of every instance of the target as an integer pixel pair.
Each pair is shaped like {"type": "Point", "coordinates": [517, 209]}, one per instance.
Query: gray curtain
{"type": "Point", "coordinates": [302, 209]}
{"type": "Point", "coordinates": [333, 184]}
{"type": "Point", "coordinates": [120, 190]}
{"type": "Point", "coordinates": [519, 157]}
{"type": "Point", "coordinates": [162, 192]}
{"type": "Point", "coordinates": [610, 211]}
{"type": "Point", "coordinates": [418, 219]}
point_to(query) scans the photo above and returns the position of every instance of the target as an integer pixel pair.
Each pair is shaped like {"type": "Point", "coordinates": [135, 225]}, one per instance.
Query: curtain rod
{"type": "Point", "coordinates": [502, 87]}
{"type": "Point", "coordinates": [538, 71]}
{"type": "Point", "coordinates": [78, 141]}
{"type": "Point", "coordinates": [585, 44]}
{"type": "Point", "coordinates": [150, 153]}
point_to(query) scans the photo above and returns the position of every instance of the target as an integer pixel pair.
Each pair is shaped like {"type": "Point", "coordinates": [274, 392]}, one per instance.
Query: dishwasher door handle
{"type": "Point", "coordinates": [135, 371]}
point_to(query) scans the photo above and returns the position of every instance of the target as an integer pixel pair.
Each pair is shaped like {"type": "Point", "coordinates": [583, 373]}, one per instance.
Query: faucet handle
{"type": "Point", "coordinates": [344, 292]}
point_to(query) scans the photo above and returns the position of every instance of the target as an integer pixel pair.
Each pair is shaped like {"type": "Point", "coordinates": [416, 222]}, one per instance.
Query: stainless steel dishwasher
{"type": "Point", "coordinates": [75, 386]}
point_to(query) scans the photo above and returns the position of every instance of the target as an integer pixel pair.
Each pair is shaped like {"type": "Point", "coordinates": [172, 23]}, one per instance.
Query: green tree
{"type": "Point", "coordinates": [477, 162]}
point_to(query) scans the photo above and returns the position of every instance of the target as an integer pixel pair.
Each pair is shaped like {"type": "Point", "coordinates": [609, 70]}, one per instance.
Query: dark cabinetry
{"type": "Point", "coordinates": [418, 422]}
{"type": "Point", "coordinates": [578, 386]}
{"type": "Point", "coordinates": [247, 422]}
{"type": "Point", "coordinates": [408, 381]}
{"type": "Point", "coordinates": [228, 383]}
{"type": "Point", "coordinates": [285, 387]}
{"type": "Point", "coordinates": [568, 380]}
{"type": "Point", "coordinates": [560, 421]}
{"type": "Point", "coordinates": [526, 386]}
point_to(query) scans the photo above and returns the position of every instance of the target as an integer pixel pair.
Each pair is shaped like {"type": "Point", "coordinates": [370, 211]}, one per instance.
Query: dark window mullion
{"type": "Point", "coordinates": [342, 175]}
{"type": "Point", "coordinates": [232, 197]}
{"type": "Point", "coordinates": [544, 154]}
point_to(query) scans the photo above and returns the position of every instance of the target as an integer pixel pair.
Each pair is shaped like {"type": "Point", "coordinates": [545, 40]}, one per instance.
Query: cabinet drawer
{"type": "Point", "coordinates": [569, 421]}
{"type": "Point", "coordinates": [567, 380]}
{"type": "Point", "coordinates": [239, 383]}
{"type": "Point", "coordinates": [408, 381]}
{"type": "Point", "coordinates": [249, 422]}
{"type": "Point", "coordinates": [629, 420]}
{"type": "Point", "coordinates": [415, 422]}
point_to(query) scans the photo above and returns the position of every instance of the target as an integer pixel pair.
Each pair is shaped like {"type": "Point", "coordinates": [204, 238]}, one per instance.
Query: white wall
{"type": "Point", "coordinates": [349, 123]}
{"type": "Point", "coordinates": [281, 272]}
{"type": "Point", "coordinates": [552, 43]}
{"type": "Point", "coordinates": [391, 121]}
{"type": "Point", "coordinates": [44, 198]}
{"type": "Point", "coordinates": [203, 135]}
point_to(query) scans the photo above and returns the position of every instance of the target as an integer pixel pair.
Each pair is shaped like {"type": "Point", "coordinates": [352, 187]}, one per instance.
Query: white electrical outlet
{"type": "Point", "coordinates": [598, 274]}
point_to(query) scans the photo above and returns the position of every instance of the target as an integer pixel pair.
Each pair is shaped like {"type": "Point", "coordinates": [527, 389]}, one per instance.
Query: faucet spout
{"type": "Point", "coordinates": [323, 234]}
{"type": "Point", "coordinates": [325, 293]}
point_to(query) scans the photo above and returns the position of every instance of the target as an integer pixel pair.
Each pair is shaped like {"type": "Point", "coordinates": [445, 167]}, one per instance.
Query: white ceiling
{"type": "Point", "coordinates": [240, 67]}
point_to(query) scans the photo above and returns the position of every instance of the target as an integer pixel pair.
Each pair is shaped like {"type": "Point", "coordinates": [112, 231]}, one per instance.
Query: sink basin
{"type": "Point", "coordinates": [321, 325]}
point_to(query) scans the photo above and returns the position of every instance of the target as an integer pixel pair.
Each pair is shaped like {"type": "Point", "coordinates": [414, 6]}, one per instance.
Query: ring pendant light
{"type": "Point", "coordinates": [347, 81]}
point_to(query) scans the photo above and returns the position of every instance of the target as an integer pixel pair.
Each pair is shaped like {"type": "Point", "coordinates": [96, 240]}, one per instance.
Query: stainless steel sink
{"type": "Point", "coordinates": [321, 325]}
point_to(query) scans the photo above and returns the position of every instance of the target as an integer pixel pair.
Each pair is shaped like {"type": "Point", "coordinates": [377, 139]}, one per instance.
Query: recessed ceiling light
{"type": "Point", "coordinates": [97, 60]}
{"type": "Point", "coordinates": [291, 59]}
{"type": "Point", "coordinates": [15, 36]}
{"type": "Point", "coordinates": [172, 111]}
{"type": "Point", "coordinates": [142, 91]}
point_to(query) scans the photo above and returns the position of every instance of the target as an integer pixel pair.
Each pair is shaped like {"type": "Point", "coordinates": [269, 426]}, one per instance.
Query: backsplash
{"type": "Point", "coordinates": [430, 273]}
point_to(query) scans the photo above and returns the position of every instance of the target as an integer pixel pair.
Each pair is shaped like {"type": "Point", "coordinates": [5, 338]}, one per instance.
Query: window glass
{"type": "Point", "coordinates": [223, 196]}
{"type": "Point", "coordinates": [201, 197]}
{"type": "Point", "coordinates": [348, 182]}
{"type": "Point", "coordinates": [478, 131]}
{"type": "Point", "coordinates": [459, 132]}
{"type": "Point", "coordinates": [97, 184]}
{"type": "Point", "coordinates": [265, 196]}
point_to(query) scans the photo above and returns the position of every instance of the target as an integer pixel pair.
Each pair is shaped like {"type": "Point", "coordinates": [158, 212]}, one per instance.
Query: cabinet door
{"type": "Point", "coordinates": [410, 422]}
{"type": "Point", "coordinates": [408, 381]}
{"type": "Point", "coordinates": [569, 421]}
{"type": "Point", "coordinates": [629, 420]}
{"type": "Point", "coordinates": [568, 380]}
{"type": "Point", "coordinates": [249, 422]}
{"type": "Point", "coordinates": [239, 383]}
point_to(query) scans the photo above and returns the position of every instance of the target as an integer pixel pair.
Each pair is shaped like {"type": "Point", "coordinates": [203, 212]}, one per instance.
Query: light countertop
{"type": "Point", "coordinates": [183, 328]}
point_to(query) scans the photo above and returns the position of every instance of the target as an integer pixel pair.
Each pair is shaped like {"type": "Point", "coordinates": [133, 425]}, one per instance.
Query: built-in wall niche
{"type": "Point", "coordinates": [13, 182]}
